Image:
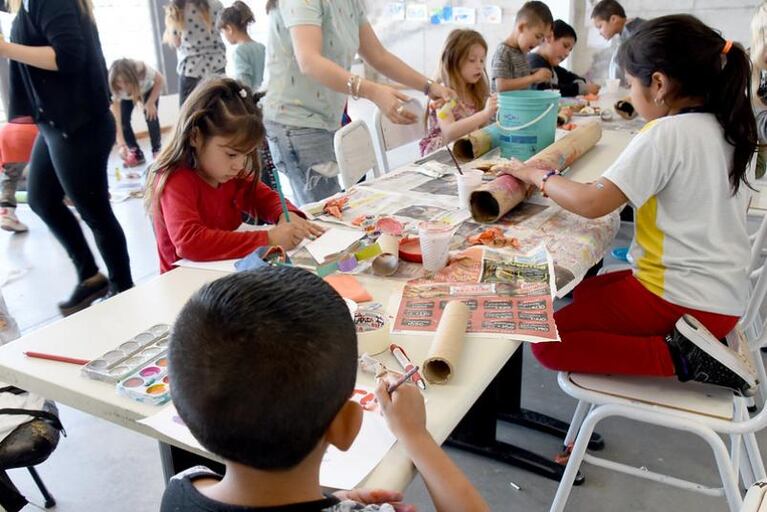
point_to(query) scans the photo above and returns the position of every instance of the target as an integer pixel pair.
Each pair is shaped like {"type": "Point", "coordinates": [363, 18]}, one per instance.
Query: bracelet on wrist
{"type": "Point", "coordinates": [427, 87]}
{"type": "Point", "coordinates": [545, 179]}
{"type": "Point", "coordinates": [353, 86]}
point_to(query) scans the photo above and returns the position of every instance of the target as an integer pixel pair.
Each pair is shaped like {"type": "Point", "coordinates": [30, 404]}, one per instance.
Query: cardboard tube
{"type": "Point", "coordinates": [386, 263]}
{"type": "Point", "coordinates": [372, 332]}
{"type": "Point", "coordinates": [492, 201]}
{"type": "Point", "coordinates": [477, 143]}
{"type": "Point", "coordinates": [446, 348]}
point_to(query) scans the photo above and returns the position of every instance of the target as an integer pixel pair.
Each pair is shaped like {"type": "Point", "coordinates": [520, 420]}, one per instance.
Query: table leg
{"type": "Point", "coordinates": [510, 407]}
{"type": "Point", "coordinates": [476, 433]}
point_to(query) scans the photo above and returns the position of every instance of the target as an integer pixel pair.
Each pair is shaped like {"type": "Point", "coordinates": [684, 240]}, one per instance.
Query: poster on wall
{"type": "Point", "coordinates": [464, 15]}
{"type": "Point", "coordinates": [417, 12]}
{"type": "Point", "coordinates": [395, 11]}
{"type": "Point", "coordinates": [490, 14]}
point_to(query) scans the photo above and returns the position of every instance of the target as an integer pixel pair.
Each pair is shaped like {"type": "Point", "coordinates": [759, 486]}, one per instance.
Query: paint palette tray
{"type": "Point", "coordinates": [129, 356]}
{"type": "Point", "coordinates": [149, 385]}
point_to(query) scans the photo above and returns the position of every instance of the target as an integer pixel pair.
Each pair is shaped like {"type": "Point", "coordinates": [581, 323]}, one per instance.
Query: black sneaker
{"type": "Point", "coordinates": [84, 294]}
{"type": "Point", "coordinates": [699, 356]}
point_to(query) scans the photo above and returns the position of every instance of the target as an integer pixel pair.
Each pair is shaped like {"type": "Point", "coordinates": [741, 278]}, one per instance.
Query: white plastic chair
{"type": "Point", "coordinates": [392, 136]}
{"type": "Point", "coordinates": [705, 411]}
{"type": "Point", "coordinates": [355, 153]}
{"type": "Point", "coordinates": [756, 498]}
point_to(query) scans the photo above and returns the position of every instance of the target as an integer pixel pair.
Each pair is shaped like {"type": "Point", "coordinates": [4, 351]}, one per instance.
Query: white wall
{"type": "Point", "coordinates": [420, 44]}
{"type": "Point", "coordinates": [731, 17]}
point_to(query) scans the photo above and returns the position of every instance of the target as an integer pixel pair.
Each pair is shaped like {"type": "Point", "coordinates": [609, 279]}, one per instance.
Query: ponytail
{"type": "Point", "coordinates": [700, 64]}
{"type": "Point", "coordinates": [731, 103]}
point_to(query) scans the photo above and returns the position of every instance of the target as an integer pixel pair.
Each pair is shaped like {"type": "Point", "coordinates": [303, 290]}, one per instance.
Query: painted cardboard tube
{"type": "Point", "coordinates": [493, 200]}
{"type": "Point", "coordinates": [447, 345]}
{"type": "Point", "coordinates": [386, 263]}
{"type": "Point", "coordinates": [477, 143]}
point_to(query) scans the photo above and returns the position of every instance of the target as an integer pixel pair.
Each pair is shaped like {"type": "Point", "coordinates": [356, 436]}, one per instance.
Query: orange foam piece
{"type": "Point", "coordinates": [348, 287]}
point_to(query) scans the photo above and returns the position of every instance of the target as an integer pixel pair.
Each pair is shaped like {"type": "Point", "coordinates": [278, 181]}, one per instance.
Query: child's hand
{"type": "Point", "coordinates": [404, 409]}
{"type": "Point", "coordinates": [151, 111]}
{"type": "Point", "coordinates": [290, 234]}
{"type": "Point", "coordinates": [592, 88]}
{"type": "Point", "coordinates": [438, 91]}
{"type": "Point", "coordinates": [542, 75]}
{"type": "Point", "coordinates": [519, 170]}
{"type": "Point", "coordinates": [491, 106]}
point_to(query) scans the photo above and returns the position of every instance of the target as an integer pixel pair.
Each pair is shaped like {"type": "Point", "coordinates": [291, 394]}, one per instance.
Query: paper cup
{"type": "Point", "coordinates": [612, 86]}
{"type": "Point", "coordinates": [468, 182]}
{"type": "Point", "coordinates": [435, 244]}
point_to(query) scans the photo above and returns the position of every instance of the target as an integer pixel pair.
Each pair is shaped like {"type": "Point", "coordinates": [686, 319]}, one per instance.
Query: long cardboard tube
{"type": "Point", "coordinates": [493, 200]}
{"type": "Point", "coordinates": [447, 346]}
{"type": "Point", "coordinates": [477, 143]}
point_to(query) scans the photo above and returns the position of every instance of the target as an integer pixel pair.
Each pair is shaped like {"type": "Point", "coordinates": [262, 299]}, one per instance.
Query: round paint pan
{"type": "Point", "coordinates": [410, 250]}
{"type": "Point", "coordinates": [156, 389]}
{"type": "Point", "coordinates": [133, 382]}
{"type": "Point", "coordinates": [159, 329]}
{"type": "Point", "coordinates": [144, 338]}
{"type": "Point", "coordinates": [149, 371]}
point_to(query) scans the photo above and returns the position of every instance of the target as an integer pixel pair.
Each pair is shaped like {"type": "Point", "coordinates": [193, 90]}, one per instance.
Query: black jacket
{"type": "Point", "coordinates": [78, 92]}
{"type": "Point", "coordinates": [568, 83]}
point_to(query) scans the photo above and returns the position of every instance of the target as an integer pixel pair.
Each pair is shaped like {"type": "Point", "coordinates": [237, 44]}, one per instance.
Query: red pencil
{"type": "Point", "coordinates": [61, 359]}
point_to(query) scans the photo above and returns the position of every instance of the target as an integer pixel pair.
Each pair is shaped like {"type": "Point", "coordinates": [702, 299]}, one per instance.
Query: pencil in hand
{"type": "Point", "coordinates": [393, 387]}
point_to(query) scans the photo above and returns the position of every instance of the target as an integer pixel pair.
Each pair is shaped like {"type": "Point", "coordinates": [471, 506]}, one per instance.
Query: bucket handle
{"type": "Point", "coordinates": [526, 125]}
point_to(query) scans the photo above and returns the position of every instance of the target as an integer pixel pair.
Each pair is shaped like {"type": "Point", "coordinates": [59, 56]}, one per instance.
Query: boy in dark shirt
{"type": "Point", "coordinates": [611, 21]}
{"type": "Point", "coordinates": [555, 49]}
{"type": "Point", "coordinates": [263, 365]}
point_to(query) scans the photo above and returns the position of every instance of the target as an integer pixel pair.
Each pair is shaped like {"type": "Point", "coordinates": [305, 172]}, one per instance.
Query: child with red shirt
{"type": "Point", "coordinates": [16, 140]}
{"type": "Point", "coordinates": [205, 182]}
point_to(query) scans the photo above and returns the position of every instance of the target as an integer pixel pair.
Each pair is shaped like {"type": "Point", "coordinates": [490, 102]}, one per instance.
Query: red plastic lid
{"type": "Point", "coordinates": [410, 250]}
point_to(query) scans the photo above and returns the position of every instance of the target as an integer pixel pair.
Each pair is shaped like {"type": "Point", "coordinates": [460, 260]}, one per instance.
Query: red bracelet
{"type": "Point", "coordinates": [545, 179]}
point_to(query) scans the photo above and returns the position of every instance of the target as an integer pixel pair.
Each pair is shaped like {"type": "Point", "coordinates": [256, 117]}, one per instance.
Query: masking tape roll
{"type": "Point", "coordinates": [372, 332]}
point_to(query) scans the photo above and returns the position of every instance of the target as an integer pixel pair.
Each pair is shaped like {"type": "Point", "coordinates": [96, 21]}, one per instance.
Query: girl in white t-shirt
{"type": "Point", "coordinates": [685, 176]}
{"type": "Point", "coordinates": [132, 83]}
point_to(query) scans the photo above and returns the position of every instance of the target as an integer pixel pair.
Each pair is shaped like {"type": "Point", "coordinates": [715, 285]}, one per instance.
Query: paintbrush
{"type": "Point", "coordinates": [457, 165]}
{"type": "Point", "coordinates": [393, 387]}
{"type": "Point", "coordinates": [284, 203]}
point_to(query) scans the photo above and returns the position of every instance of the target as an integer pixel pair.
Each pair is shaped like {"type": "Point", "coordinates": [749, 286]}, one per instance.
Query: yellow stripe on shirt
{"type": "Point", "coordinates": [650, 269]}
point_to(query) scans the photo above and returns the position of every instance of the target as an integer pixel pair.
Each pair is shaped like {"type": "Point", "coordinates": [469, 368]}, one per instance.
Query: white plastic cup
{"type": "Point", "coordinates": [613, 86]}
{"type": "Point", "coordinates": [468, 182]}
{"type": "Point", "coordinates": [435, 244]}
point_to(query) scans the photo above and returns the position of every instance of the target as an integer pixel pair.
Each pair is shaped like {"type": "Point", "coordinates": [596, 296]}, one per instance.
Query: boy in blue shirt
{"type": "Point", "coordinates": [263, 365]}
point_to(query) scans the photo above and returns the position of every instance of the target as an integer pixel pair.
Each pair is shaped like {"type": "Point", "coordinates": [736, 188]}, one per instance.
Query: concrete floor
{"type": "Point", "coordinates": [103, 467]}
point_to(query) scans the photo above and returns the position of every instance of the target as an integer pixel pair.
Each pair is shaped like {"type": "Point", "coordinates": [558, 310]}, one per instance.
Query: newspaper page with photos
{"type": "Point", "coordinates": [509, 297]}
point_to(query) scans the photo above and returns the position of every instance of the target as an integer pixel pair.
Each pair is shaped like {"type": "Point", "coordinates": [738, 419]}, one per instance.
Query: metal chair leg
{"type": "Point", "coordinates": [49, 501]}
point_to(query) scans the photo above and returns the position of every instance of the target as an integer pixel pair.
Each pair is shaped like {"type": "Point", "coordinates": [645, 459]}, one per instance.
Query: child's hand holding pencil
{"type": "Point", "coordinates": [403, 408]}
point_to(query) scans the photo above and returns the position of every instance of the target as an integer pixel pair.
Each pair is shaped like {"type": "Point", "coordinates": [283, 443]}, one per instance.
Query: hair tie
{"type": "Point", "coordinates": [243, 93]}
{"type": "Point", "coordinates": [727, 46]}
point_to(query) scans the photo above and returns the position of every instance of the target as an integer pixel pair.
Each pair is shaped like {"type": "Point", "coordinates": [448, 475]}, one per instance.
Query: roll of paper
{"type": "Point", "coordinates": [447, 346]}
{"type": "Point", "coordinates": [492, 201]}
{"type": "Point", "coordinates": [386, 263]}
{"type": "Point", "coordinates": [477, 143]}
{"type": "Point", "coordinates": [372, 332]}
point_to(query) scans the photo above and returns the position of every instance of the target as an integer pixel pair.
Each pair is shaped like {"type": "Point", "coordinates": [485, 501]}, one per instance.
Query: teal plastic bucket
{"type": "Point", "coordinates": [527, 122]}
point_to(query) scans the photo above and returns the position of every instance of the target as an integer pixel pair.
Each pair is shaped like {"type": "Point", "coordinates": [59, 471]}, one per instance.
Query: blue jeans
{"type": "Point", "coordinates": [298, 153]}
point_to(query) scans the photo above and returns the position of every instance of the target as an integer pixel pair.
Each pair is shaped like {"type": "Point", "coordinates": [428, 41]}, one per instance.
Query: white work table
{"type": "Point", "coordinates": [101, 327]}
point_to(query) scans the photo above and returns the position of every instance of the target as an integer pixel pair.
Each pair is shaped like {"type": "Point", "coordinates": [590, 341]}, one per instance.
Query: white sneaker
{"type": "Point", "coordinates": [9, 221]}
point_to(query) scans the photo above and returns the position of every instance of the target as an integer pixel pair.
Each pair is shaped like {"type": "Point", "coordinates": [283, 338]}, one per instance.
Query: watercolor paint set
{"type": "Point", "coordinates": [129, 356]}
{"type": "Point", "coordinates": [148, 385]}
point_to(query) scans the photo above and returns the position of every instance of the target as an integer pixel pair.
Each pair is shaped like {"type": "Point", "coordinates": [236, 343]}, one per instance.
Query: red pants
{"type": "Point", "coordinates": [615, 325]}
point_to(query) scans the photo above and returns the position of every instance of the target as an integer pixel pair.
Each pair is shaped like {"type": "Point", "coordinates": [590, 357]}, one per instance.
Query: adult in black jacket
{"type": "Point", "coordinates": [59, 77]}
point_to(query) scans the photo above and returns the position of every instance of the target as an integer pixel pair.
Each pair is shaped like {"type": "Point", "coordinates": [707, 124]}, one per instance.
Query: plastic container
{"type": "Point", "coordinates": [527, 121]}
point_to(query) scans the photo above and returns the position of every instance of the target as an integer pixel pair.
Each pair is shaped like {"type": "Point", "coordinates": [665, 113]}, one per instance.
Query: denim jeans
{"type": "Point", "coordinates": [306, 157]}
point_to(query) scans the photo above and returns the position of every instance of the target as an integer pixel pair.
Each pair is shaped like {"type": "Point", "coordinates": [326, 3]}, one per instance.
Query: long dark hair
{"type": "Point", "coordinates": [697, 61]}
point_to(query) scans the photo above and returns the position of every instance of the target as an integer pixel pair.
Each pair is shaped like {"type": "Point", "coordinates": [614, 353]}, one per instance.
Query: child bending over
{"type": "Point", "coordinates": [205, 183]}
{"type": "Point", "coordinates": [555, 49]}
{"type": "Point", "coordinates": [263, 366]}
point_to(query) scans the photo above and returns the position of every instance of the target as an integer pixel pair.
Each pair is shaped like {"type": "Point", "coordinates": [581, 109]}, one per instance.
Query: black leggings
{"type": "Point", "coordinates": [186, 84]}
{"type": "Point", "coordinates": [153, 125]}
{"type": "Point", "coordinates": [75, 164]}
